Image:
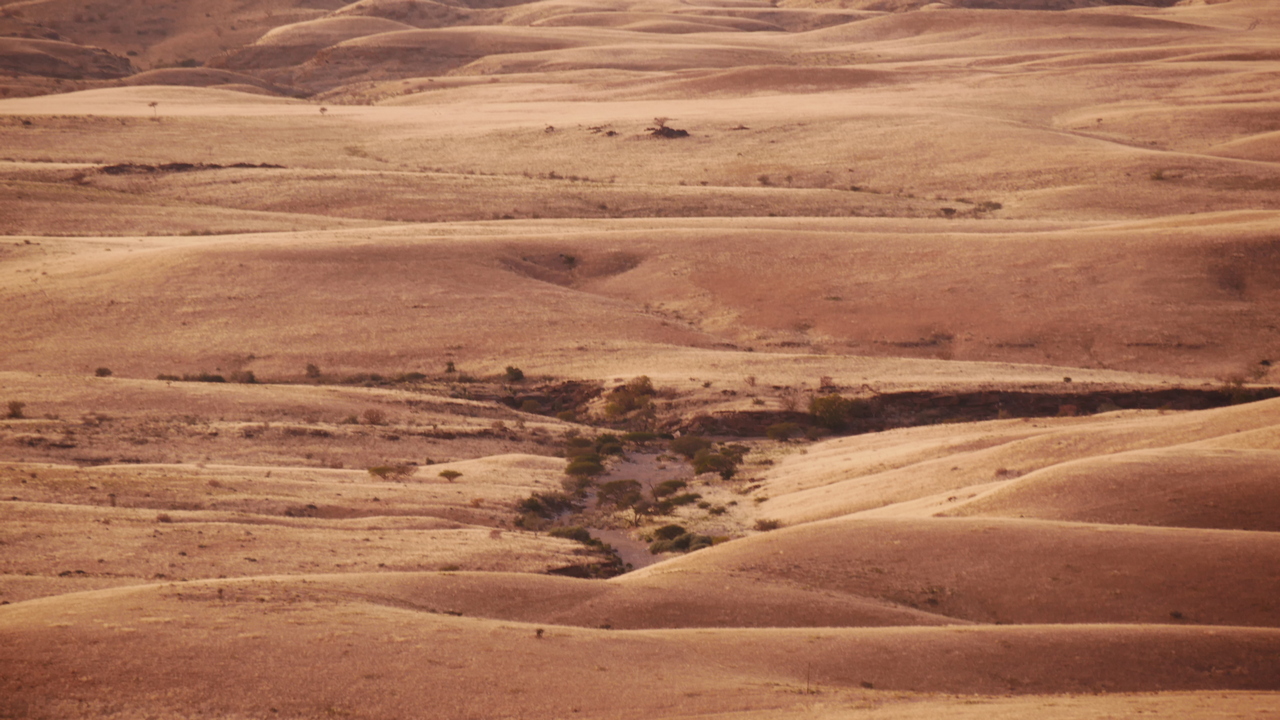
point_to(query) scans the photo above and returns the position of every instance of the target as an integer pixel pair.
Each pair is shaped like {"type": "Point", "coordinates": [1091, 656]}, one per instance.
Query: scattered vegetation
{"type": "Point", "coordinates": [835, 412]}
{"type": "Point", "coordinates": [197, 377]}
{"type": "Point", "coordinates": [674, 538]}
{"type": "Point", "coordinates": [782, 431]}
{"type": "Point", "coordinates": [633, 398]}
{"type": "Point", "coordinates": [397, 473]}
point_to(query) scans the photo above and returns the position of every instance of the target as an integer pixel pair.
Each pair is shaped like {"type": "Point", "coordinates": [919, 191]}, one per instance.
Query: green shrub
{"type": "Point", "coordinates": [579, 534]}
{"type": "Point", "coordinates": [834, 411]}
{"type": "Point", "coordinates": [546, 505]}
{"type": "Point", "coordinates": [608, 444]}
{"type": "Point", "coordinates": [668, 487]}
{"type": "Point", "coordinates": [620, 494]}
{"type": "Point", "coordinates": [203, 377]}
{"type": "Point", "coordinates": [684, 542]}
{"type": "Point", "coordinates": [668, 532]}
{"type": "Point", "coordinates": [637, 394]}
{"type": "Point", "coordinates": [684, 499]}
{"type": "Point", "coordinates": [450, 475]}
{"type": "Point", "coordinates": [584, 466]}
{"type": "Point", "coordinates": [689, 445]}
{"type": "Point", "coordinates": [392, 472]}
{"type": "Point", "coordinates": [706, 461]}
{"type": "Point", "coordinates": [782, 431]}
{"type": "Point", "coordinates": [639, 437]}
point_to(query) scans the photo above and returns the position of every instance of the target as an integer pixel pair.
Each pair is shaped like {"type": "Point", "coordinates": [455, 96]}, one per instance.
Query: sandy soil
{"type": "Point", "coordinates": [309, 310]}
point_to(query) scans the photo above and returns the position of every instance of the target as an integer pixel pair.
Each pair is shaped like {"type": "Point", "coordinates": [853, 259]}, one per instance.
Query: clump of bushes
{"type": "Point", "coordinates": [538, 510]}
{"type": "Point", "coordinates": [633, 397]}
{"type": "Point", "coordinates": [835, 412]}
{"type": "Point", "coordinates": [782, 431]}
{"type": "Point", "coordinates": [718, 462]}
{"type": "Point", "coordinates": [197, 377]}
{"type": "Point", "coordinates": [674, 538]}
{"type": "Point", "coordinates": [689, 445]}
{"type": "Point", "coordinates": [392, 472]}
{"type": "Point", "coordinates": [705, 458]}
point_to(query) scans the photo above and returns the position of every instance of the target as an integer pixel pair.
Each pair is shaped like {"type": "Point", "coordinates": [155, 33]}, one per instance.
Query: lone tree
{"type": "Point", "coordinates": [450, 475]}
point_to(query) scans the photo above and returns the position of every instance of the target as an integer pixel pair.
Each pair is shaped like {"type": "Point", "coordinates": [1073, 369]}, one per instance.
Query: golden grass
{"type": "Point", "coordinates": [873, 195]}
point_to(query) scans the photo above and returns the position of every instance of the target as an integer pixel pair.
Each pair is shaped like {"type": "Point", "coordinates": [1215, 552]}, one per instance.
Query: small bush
{"type": "Point", "coordinates": [636, 395]}
{"type": "Point", "coordinates": [639, 437]}
{"type": "Point", "coordinates": [668, 532]}
{"type": "Point", "coordinates": [706, 461]}
{"type": "Point", "coordinates": [834, 411]}
{"type": "Point", "coordinates": [689, 445]}
{"type": "Point", "coordinates": [546, 505]}
{"type": "Point", "coordinates": [579, 534]}
{"type": "Point", "coordinates": [374, 416]}
{"type": "Point", "coordinates": [584, 466]}
{"type": "Point", "coordinates": [313, 371]}
{"type": "Point", "coordinates": [15, 410]}
{"type": "Point", "coordinates": [514, 374]}
{"type": "Point", "coordinates": [684, 542]}
{"type": "Point", "coordinates": [608, 444]}
{"type": "Point", "coordinates": [683, 499]}
{"type": "Point", "coordinates": [765, 525]}
{"type": "Point", "coordinates": [668, 487]}
{"type": "Point", "coordinates": [782, 431]}
{"type": "Point", "coordinates": [392, 472]}
{"type": "Point", "coordinates": [203, 377]}
{"type": "Point", "coordinates": [102, 372]}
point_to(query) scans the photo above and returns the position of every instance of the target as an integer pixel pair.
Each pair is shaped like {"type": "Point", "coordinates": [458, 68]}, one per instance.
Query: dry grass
{"type": "Point", "coordinates": [873, 196]}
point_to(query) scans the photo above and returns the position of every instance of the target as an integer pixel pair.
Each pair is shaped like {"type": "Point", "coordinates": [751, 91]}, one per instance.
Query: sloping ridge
{"type": "Point", "coordinates": [822, 485]}
{"type": "Point", "coordinates": [57, 59]}
{"type": "Point", "coordinates": [285, 645]}
{"type": "Point", "coordinates": [951, 24]}
{"type": "Point", "coordinates": [1015, 571]}
{"type": "Point", "coordinates": [1180, 487]}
